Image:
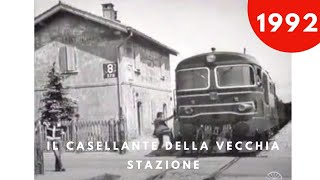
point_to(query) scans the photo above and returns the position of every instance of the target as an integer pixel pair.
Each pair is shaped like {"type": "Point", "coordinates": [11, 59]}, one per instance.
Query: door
{"type": "Point", "coordinates": [139, 116]}
{"type": "Point", "coordinates": [164, 110]}
{"type": "Point", "coordinates": [265, 85]}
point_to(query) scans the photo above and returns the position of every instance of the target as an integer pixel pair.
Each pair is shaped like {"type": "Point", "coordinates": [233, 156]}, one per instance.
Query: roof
{"type": "Point", "coordinates": [101, 20]}
{"type": "Point", "coordinates": [221, 58]}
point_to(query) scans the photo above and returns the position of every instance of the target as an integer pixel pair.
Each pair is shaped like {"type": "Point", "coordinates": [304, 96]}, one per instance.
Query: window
{"type": "Point", "coordinates": [235, 76]}
{"type": "Point", "coordinates": [162, 71]}
{"type": "Point", "coordinates": [128, 50]}
{"type": "Point", "coordinates": [259, 74]}
{"type": "Point", "coordinates": [193, 79]}
{"type": "Point", "coordinates": [67, 59]}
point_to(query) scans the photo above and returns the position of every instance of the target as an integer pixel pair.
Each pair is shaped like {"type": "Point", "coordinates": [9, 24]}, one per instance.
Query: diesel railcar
{"type": "Point", "coordinates": [224, 94]}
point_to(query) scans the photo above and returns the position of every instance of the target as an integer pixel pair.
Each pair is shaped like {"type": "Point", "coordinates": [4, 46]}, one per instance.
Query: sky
{"type": "Point", "coordinates": [194, 26]}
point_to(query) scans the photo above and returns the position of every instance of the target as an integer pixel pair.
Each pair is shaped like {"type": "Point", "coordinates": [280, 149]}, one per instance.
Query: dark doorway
{"type": "Point", "coordinates": [139, 116]}
{"type": "Point", "coordinates": [164, 110]}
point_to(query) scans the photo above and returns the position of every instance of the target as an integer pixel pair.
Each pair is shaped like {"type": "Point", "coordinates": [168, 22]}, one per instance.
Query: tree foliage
{"type": "Point", "coordinates": [57, 105]}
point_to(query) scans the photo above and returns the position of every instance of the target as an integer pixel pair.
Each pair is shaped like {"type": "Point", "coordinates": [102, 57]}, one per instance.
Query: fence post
{"type": "Point", "coordinates": [121, 134]}
{"type": "Point", "coordinates": [115, 132]}
{"type": "Point", "coordinates": [110, 138]}
{"type": "Point", "coordinates": [74, 137]}
{"type": "Point", "coordinates": [38, 150]}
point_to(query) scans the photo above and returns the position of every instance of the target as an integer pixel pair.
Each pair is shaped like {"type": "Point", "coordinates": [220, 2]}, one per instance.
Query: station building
{"type": "Point", "coordinates": [86, 48]}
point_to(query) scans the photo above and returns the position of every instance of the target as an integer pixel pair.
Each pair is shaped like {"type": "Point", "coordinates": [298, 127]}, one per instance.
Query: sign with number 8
{"type": "Point", "coordinates": [286, 25]}
{"type": "Point", "coordinates": [110, 70]}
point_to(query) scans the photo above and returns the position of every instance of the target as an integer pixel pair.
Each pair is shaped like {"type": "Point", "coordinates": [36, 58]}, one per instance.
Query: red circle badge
{"type": "Point", "coordinates": [286, 25]}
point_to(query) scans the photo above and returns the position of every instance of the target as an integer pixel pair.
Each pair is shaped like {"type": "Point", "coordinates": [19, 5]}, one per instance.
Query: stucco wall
{"type": "Point", "coordinates": [95, 45]}
{"type": "Point", "coordinates": [79, 32]}
{"type": "Point", "coordinates": [151, 100]}
{"type": "Point", "coordinates": [151, 87]}
{"type": "Point", "coordinates": [97, 96]}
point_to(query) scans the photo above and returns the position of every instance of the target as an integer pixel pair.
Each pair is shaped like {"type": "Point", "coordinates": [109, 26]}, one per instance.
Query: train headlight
{"type": "Point", "coordinates": [213, 96]}
{"type": "Point", "coordinates": [211, 58]}
{"type": "Point", "coordinates": [188, 110]}
{"type": "Point", "coordinates": [245, 107]}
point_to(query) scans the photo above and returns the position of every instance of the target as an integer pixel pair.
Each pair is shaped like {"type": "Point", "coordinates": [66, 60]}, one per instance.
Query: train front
{"type": "Point", "coordinates": [218, 90]}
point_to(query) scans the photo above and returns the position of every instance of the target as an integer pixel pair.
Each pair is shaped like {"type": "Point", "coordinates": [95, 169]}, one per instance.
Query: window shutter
{"type": "Point", "coordinates": [71, 59]}
{"type": "Point", "coordinates": [63, 59]}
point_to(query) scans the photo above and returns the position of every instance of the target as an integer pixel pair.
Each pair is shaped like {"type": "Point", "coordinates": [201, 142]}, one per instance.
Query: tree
{"type": "Point", "coordinates": [57, 105]}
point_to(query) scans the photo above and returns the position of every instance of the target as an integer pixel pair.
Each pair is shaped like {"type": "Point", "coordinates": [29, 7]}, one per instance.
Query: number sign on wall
{"type": "Point", "coordinates": [110, 70]}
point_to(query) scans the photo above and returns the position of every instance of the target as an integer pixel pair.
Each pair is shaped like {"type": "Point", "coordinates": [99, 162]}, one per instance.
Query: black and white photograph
{"type": "Point", "coordinates": [150, 90]}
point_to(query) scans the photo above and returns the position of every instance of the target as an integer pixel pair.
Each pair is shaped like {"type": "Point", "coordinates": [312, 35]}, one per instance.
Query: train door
{"type": "Point", "coordinates": [176, 127]}
{"type": "Point", "coordinates": [274, 100]}
{"type": "Point", "coordinates": [139, 116]}
{"type": "Point", "coordinates": [265, 85]}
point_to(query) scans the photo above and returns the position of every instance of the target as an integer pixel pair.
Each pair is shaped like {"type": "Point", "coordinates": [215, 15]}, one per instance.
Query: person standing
{"type": "Point", "coordinates": [161, 128]}
{"type": "Point", "coordinates": [54, 132]}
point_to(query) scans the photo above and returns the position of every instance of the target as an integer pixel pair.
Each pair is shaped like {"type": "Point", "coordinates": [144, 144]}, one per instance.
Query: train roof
{"type": "Point", "coordinates": [222, 58]}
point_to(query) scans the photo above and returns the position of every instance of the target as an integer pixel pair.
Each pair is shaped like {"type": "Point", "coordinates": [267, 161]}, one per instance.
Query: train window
{"type": "Point", "coordinates": [193, 79]}
{"type": "Point", "coordinates": [235, 76]}
{"type": "Point", "coordinates": [259, 76]}
{"type": "Point", "coordinates": [259, 72]}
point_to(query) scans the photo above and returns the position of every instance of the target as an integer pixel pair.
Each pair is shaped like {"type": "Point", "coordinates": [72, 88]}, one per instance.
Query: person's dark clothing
{"type": "Point", "coordinates": [54, 135]}
{"type": "Point", "coordinates": [160, 129]}
{"type": "Point", "coordinates": [57, 154]}
{"type": "Point", "coordinates": [160, 138]}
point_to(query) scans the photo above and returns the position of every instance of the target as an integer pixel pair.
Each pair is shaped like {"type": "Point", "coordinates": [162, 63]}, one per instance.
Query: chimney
{"type": "Point", "coordinates": [109, 12]}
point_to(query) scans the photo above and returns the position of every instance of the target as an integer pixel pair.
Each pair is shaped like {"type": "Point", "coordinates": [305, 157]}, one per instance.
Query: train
{"type": "Point", "coordinates": [227, 95]}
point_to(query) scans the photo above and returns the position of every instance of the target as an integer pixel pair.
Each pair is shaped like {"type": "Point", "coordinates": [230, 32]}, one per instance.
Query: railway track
{"type": "Point", "coordinates": [162, 174]}
{"type": "Point", "coordinates": [212, 176]}
{"type": "Point", "coordinates": [223, 168]}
